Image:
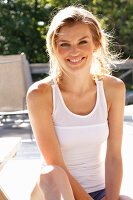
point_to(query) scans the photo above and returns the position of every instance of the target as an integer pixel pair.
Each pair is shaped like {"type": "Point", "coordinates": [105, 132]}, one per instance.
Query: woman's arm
{"type": "Point", "coordinates": [39, 100]}
{"type": "Point", "coordinates": [113, 164]}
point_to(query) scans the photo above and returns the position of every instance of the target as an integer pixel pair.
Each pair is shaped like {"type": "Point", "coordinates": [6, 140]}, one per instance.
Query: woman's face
{"type": "Point", "coordinates": [75, 47]}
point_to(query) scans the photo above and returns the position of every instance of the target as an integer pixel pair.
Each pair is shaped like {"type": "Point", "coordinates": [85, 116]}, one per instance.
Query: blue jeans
{"type": "Point", "coordinates": [98, 195]}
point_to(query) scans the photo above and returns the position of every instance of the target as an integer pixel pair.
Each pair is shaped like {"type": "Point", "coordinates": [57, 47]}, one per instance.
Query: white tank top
{"type": "Point", "coordinates": [82, 139]}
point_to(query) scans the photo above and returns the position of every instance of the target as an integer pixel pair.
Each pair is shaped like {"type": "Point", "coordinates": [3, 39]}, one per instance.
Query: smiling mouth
{"type": "Point", "coordinates": [75, 61]}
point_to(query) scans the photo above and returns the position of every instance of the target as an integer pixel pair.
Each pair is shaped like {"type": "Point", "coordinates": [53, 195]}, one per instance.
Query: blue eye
{"type": "Point", "coordinates": [83, 42]}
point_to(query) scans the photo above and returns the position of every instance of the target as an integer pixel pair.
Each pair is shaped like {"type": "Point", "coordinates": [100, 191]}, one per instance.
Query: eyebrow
{"type": "Point", "coordinates": [60, 40]}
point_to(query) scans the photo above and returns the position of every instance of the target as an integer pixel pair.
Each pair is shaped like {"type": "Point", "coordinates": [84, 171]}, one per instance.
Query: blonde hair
{"type": "Point", "coordinates": [103, 58]}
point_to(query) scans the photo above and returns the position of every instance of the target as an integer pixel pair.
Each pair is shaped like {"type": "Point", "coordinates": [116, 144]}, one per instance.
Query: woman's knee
{"type": "Point", "coordinates": [53, 170]}
{"type": "Point", "coordinates": [52, 174]}
{"type": "Point", "coordinates": [54, 183]}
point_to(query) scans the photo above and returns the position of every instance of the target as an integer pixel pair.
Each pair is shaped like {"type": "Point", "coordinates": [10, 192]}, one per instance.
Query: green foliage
{"type": "Point", "coordinates": [117, 17]}
{"type": "Point", "coordinates": [23, 24]}
{"type": "Point", "coordinates": [19, 29]}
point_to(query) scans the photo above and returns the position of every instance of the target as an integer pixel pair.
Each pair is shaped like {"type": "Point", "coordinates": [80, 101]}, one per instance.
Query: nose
{"type": "Point", "coordinates": [74, 50]}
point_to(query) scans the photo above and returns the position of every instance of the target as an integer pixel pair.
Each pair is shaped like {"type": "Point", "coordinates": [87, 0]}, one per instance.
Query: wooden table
{"type": "Point", "coordinates": [17, 176]}
{"type": "Point", "coordinates": [9, 146]}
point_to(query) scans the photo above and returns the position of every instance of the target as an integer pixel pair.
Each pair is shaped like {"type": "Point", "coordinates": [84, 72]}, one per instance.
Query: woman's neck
{"type": "Point", "coordinates": [77, 85]}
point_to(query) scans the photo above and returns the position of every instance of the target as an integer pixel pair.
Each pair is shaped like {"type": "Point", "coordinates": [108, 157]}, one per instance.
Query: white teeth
{"type": "Point", "coordinates": [75, 60]}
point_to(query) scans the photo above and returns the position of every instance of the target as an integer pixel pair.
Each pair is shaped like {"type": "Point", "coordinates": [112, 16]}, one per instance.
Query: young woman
{"type": "Point", "coordinates": [77, 113]}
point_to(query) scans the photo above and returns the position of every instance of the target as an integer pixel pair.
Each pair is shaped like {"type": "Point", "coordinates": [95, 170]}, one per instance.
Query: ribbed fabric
{"type": "Point", "coordinates": [82, 139]}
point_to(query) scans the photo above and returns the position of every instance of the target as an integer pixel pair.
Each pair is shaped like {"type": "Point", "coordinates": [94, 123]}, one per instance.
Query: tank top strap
{"type": "Point", "coordinates": [101, 94]}
{"type": "Point", "coordinates": [52, 82]}
{"type": "Point", "coordinates": [55, 95]}
{"type": "Point", "coordinates": [100, 88]}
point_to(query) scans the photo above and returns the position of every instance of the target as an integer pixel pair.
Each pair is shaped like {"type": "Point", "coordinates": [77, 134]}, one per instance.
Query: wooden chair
{"type": "Point", "coordinates": [15, 79]}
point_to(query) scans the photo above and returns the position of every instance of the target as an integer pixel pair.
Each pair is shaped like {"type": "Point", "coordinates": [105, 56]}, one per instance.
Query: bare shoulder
{"type": "Point", "coordinates": [113, 84]}
{"type": "Point", "coordinates": [114, 88]}
{"type": "Point", "coordinates": [113, 81]}
{"type": "Point", "coordinates": [40, 91]}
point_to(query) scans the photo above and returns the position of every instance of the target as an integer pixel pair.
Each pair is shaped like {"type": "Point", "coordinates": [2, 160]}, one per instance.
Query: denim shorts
{"type": "Point", "coordinates": [98, 195]}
